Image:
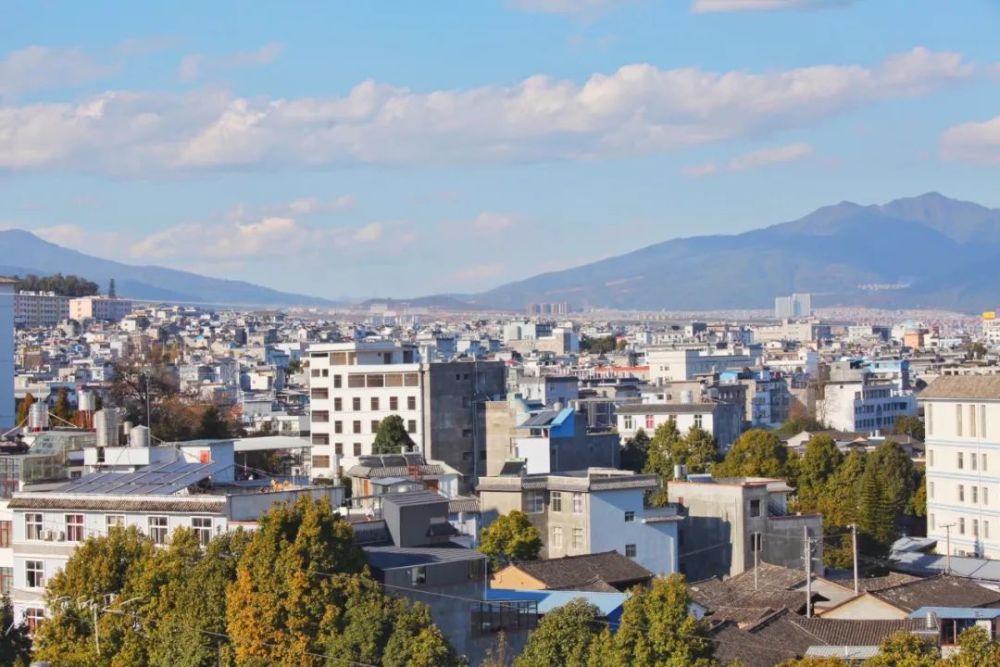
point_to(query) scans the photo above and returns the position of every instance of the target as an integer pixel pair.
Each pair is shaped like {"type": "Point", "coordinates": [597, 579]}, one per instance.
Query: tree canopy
{"type": "Point", "coordinates": [564, 637]}
{"type": "Point", "coordinates": [510, 538]}
{"type": "Point", "coordinates": [68, 285]}
{"type": "Point", "coordinates": [392, 437]}
{"type": "Point", "coordinates": [695, 450]}
{"type": "Point", "coordinates": [756, 453]}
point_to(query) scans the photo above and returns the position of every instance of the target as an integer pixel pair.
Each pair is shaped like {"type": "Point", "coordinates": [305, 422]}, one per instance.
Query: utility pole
{"type": "Point", "coordinates": [756, 559]}
{"type": "Point", "coordinates": [97, 631]}
{"type": "Point", "coordinates": [947, 557]}
{"type": "Point", "coordinates": [854, 547]}
{"type": "Point", "coordinates": [807, 556]}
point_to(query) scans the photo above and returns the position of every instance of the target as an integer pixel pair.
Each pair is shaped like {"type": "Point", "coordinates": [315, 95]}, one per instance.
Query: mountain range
{"type": "Point", "coordinates": [22, 253]}
{"type": "Point", "coordinates": [927, 251]}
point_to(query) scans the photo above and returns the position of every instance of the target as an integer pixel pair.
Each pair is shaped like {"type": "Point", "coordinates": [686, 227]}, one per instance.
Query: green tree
{"type": "Point", "coordinates": [696, 451]}
{"type": "Point", "coordinates": [62, 409]}
{"type": "Point", "coordinates": [975, 649]}
{"type": "Point", "coordinates": [904, 649]}
{"type": "Point", "coordinates": [820, 462]}
{"type": "Point", "coordinates": [213, 425]}
{"type": "Point", "coordinates": [657, 629]}
{"type": "Point", "coordinates": [392, 437]}
{"type": "Point", "coordinates": [795, 425]}
{"type": "Point", "coordinates": [635, 452]}
{"type": "Point", "coordinates": [15, 644]}
{"type": "Point", "coordinates": [876, 514]}
{"type": "Point", "coordinates": [894, 468]}
{"type": "Point", "coordinates": [910, 425]}
{"type": "Point", "coordinates": [510, 538]}
{"type": "Point", "coordinates": [756, 453]}
{"type": "Point", "coordinates": [112, 292]}
{"type": "Point", "coordinates": [839, 503]}
{"type": "Point", "coordinates": [563, 638]}
{"type": "Point", "coordinates": [291, 583]}
{"type": "Point", "coordinates": [660, 461]}
{"type": "Point", "coordinates": [811, 661]}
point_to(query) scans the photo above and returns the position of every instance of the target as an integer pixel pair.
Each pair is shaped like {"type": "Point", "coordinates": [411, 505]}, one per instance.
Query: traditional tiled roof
{"type": "Point", "coordinates": [940, 591]}
{"type": "Point", "coordinates": [732, 645]}
{"type": "Point", "coordinates": [585, 572]}
{"type": "Point", "coordinates": [797, 633]}
{"type": "Point", "coordinates": [368, 472]}
{"type": "Point", "coordinates": [463, 504]}
{"type": "Point", "coordinates": [774, 588]}
{"type": "Point", "coordinates": [959, 387]}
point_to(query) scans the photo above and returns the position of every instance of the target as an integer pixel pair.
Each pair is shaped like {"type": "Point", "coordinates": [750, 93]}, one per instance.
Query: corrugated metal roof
{"type": "Point", "coordinates": [162, 479]}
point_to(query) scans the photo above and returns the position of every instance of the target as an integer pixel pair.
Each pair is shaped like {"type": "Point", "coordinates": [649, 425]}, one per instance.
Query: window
{"type": "Point", "coordinates": [627, 422]}
{"type": "Point", "coordinates": [374, 426]}
{"type": "Point", "coordinates": [983, 466]}
{"type": "Point", "coordinates": [961, 493]}
{"type": "Point", "coordinates": [928, 417]}
{"type": "Point", "coordinates": [356, 381]}
{"type": "Point", "coordinates": [393, 403]}
{"type": "Point", "coordinates": [338, 426]}
{"type": "Point", "coordinates": [754, 508]}
{"type": "Point", "coordinates": [357, 449]}
{"type": "Point", "coordinates": [958, 420]}
{"type": "Point", "coordinates": [356, 404]}
{"type": "Point", "coordinates": [321, 416]}
{"type": "Point", "coordinates": [697, 421]}
{"type": "Point", "coordinates": [320, 393]}
{"type": "Point", "coordinates": [930, 458]}
{"type": "Point", "coordinates": [158, 529]}
{"type": "Point", "coordinates": [986, 529]}
{"type": "Point", "coordinates": [6, 580]}
{"type": "Point", "coordinates": [975, 527]}
{"type": "Point", "coordinates": [534, 502]}
{"type": "Point", "coordinates": [975, 494]}
{"type": "Point", "coordinates": [986, 495]}
{"type": "Point", "coordinates": [202, 527]}
{"type": "Point", "coordinates": [411, 426]}
{"type": "Point", "coordinates": [477, 569]}
{"type": "Point", "coordinates": [32, 617]}
{"type": "Point", "coordinates": [577, 503]}
{"type": "Point", "coordinates": [115, 521]}
{"type": "Point", "coordinates": [972, 426]}
{"type": "Point", "coordinates": [930, 520]}
{"type": "Point", "coordinates": [320, 461]}
{"type": "Point", "coordinates": [630, 550]}
{"type": "Point", "coordinates": [578, 538]}
{"type": "Point", "coordinates": [556, 501]}
{"type": "Point", "coordinates": [5, 534]}
{"type": "Point", "coordinates": [972, 461]}
{"type": "Point", "coordinates": [961, 525]}
{"type": "Point", "coordinates": [418, 575]}
{"type": "Point", "coordinates": [33, 526]}
{"type": "Point", "coordinates": [961, 461]}
{"type": "Point", "coordinates": [337, 381]}
{"type": "Point", "coordinates": [374, 403]}
{"type": "Point", "coordinates": [930, 490]}
{"type": "Point", "coordinates": [338, 405]}
{"type": "Point", "coordinates": [339, 448]}
{"type": "Point", "coordinates": [411, 402]}
{"type": "Point", "coordinates": [557, 537]}
{"type": "Point", "coordinates": [357, 426]}
{"type": "Point", "coordinates": [629, 517]}
{"type": "Point", "coordinates": [982, 421]}
{"type": "Point", "coordinates": [321, 438]}
{"type": "Point", "coordinates": [74, 528]}
{"type": "Point", "coordinates": [34, 573]}
{"type": "Point", "coordinates": [650, 422]}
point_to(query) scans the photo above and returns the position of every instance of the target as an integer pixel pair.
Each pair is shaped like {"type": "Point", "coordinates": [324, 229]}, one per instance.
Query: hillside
{"type": "Point", "coordinates": [936, 250]}
{"type": "Point", "coordinates": [25, 253]}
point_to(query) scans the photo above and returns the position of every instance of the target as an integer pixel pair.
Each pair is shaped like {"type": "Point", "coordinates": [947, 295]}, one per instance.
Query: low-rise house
{"type": "Point", "coordinates": [589, 511]}
{"type": "Point", "coordinates": [899, 602]}
{"type": "Point", "coordinates": [721, 419]}
{"type": "Point", "coordinates": [603, 572]}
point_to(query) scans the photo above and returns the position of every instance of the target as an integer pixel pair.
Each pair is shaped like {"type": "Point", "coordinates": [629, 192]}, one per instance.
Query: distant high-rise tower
{"type": "Point", "coordinates": [793, 307]}
{"type": "Point", "coordinates": [6, 354]}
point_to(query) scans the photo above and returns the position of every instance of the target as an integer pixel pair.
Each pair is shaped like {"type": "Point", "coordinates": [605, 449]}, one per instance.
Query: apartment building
{"type": "Point", "coordinates": [354, 386]}
{"type": "Point", "coordinates": [864, 406]}
{"type": "Point", "coordinates": [590, 511]}
{"type": "Point", "coordinates": [671, 364]}
{"type": "Point", "coordinates": [726, 519]}
{"type": "Point", "coordinates": [103, 308]}
{"type": "Point", "coordinates": [40, 309]}
{"type": "Point", "coordinates": [723, 420]}
{"type": "Point", "coordinates": [962, 427]}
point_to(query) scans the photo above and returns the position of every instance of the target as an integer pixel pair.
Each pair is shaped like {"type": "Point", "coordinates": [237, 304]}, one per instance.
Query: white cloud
{"type": "Point", "coordinates": [973, 142]}
{"type": "Point", "coordinates": [488, 223]}
{"type": "Point", "coordinates": [563, 6]}
{"type": "Point", "coordinates": [100, 243]}
{"type": "Point", "coordinates": [314, 205]}
{"type": "Point", "coordinates": [769, 156]}
{"type": "Point", "coordinates": [195, 66]}
{"type": "Point", "coordinates": [370, 233]}
{"type": "Point", "coordinates": [699, 170]}
{"type": "Point", "coordinates": [710, 6]}
{"type": "Point", "coordinates": [637, 110]}
{"type": "Point", "coordinates": [40, 68]}
{"type": "Point", "coordinates": [477, 273]}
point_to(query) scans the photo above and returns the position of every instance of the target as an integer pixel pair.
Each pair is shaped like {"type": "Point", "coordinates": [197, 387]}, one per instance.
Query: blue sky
{"type": "Point", "coordinates": [398, 148]}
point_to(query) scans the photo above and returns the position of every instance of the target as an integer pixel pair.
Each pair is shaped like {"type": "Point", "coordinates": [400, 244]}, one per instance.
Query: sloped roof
{"type": "Point", "coordinates": [977, 387]}
{"type": "Point", "coordinates": [774, 588]}
{"type": "Point", "coordinates": [733, 645]}
{"type": "Point", "coordinates": [939, 591]}
{"type": "Point", "coordinates": [586, 572]}
{"type": "Point", "coordinates": [797, 633]}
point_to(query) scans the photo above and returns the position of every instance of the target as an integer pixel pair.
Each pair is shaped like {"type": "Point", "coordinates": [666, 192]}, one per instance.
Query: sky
{"type": "Point", "coordinates": [395, 149]}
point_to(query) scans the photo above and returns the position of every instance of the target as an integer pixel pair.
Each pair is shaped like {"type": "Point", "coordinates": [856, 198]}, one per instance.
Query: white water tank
{"type": "Point", "coordinates": [38, 416]}
{"type": "Point", "coordinates": [138, 436]}
{"type": "Point", "coordinates": [106, 424]}
{"type": "Point", "coordinates": [85, 400]}
{"type": "Point", "coordinates": [687, 396]}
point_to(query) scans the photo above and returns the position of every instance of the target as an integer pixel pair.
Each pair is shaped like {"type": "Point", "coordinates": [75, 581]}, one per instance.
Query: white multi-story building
{"type": "Point", "coordinates": [863, 406]}
{"type": "Point", "coordinates": [962, 426]}
{"type": "Point", "coordinates": [108, 309]}
{"type": "Point", "coordinates": [669, 364]}
{"type": "Point", "coordinates": [6, 353]}
{"type": "Point", "coordinates": [40, 309]}
{"type": "Point", "coordinates": [353, 387]}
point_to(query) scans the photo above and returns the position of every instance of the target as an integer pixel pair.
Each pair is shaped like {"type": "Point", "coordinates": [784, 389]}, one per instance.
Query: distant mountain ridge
{"type": "Point", "coordinates": [21, 253]}
{"type": "Point", "coordinates": [936, 252]}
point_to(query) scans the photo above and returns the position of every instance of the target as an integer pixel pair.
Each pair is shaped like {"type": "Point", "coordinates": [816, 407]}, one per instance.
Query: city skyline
{"type": "Point", "coordinates": [454, 149]}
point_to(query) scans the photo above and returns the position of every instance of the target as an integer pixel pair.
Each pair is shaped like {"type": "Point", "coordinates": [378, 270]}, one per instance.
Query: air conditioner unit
{"type": "Point", "coordinates": [47, 535]}
{"type": "Point", "coordinates": [62, 536]}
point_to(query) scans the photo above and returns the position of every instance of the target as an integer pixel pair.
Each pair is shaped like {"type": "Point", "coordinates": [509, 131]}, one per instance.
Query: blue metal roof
{"type": "Point", "coordinates": [608, 603]}
{"type": "Point", "coordinates": [967, 613]}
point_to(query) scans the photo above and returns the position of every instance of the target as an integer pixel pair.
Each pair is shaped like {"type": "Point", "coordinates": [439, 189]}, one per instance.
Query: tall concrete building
{"type": "Point", "coordinates": [108, 309]}
{"type": "Point", "coordinates": [40, 309]}
{"type": "Point", "coordinates": [354, 386]}
{"type": "Point", "coordinates": [6, 354]}
{"type": "Point", "coordinates": [962, 428]}
{"type": "Point", "coordinates": [792, 307]}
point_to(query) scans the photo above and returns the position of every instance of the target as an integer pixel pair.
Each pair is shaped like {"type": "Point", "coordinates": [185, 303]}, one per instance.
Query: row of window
{"type": "Point", "coordinates": [970, 420]}
{"type": "Point", "coordinates": [961, 525]}
{"type": "Point", "coordinates": [338, 447]}
{"type": "Point", "coordinates": [534, 502]}
{"type": "Point", "coordinates": [356, 426]}
{"type": "Point", "coordinates": [650, 421]}
{"type": "Point", "coordinates": [974, 462]}
{"type": "Point", "coordinates": [557, 538]}
{"type": "Point", "coordinates": [374, 402]}
{"type": "Point", "coordinates": [75, 531]}
{"type": "Point", "coordinates": [974, 493]}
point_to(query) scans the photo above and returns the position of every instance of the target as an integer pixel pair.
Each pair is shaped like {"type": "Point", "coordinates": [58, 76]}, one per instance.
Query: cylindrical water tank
{"type": "Point", "coordinates": [687, 396]}
{"type": "Point", "coordinates": [38, 416]}
{"type": "Point", "coordinates": [138, 436]}
{"type": "Point", "coordinates": [85, 400]}
{"type": "Point", "coordinates": [106, 424]}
